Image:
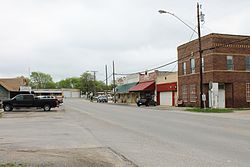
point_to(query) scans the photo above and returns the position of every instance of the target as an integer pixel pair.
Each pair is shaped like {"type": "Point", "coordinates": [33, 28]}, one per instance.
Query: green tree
{"type": "Point", "coordinates": [87, 82]}
{"type": "Point", "coordinates": [73, 82]}
{"type": "Point", "coordinates": [39, 80]}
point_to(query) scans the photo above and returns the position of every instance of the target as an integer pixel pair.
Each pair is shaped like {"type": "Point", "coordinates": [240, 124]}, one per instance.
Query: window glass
{"type": "Point", "coordinates": [248, 63]}
{"type": "Point", "coordinates": [19, 97]}
{"type": "Point", "coordinates": [203, 64]}
{"type": "Point", "coordinates": [184, 93]}
{"type": "Point", "coordinates": [193, 95]}
{"type": "Point", "coordinates": [184, 69]}
{"type": "Point", "coordinates": [28, 97]}
{"type": "Point", "coordinates": [192, 65]}
{"type": "Point", "coordinates": [230, 65]}
{"type": "Point", "coordinates": [248, 92]}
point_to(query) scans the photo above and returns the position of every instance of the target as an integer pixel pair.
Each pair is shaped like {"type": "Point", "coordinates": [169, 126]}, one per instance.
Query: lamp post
{"type": "Point", "coordinates": [199, 40]}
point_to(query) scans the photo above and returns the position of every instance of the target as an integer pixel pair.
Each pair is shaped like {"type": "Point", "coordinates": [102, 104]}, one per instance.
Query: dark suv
{"type": "Point", "coordinates": [146, 102]}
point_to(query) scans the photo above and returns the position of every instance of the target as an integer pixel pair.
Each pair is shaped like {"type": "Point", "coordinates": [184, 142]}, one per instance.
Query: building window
{"type": "Point", "coordinates": [184, 93]}
{"type": "Point", "coordinates": [248, 63]}
{"type": "Point", "coordinates": [230, 63]}
{"type": "Point", "coordinates": [192, 65]}
{"type": "Point", "coordinates": [248, 92]}
{"type": "Point", "coordinates": [202, 64]}
{"type": "Point", "coordinates": [193, 96]}
{"type": "Point", "coordinates": [184, 68]}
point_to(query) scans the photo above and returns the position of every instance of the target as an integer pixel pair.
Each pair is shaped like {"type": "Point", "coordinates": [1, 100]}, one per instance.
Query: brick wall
{"type": "Point", "coordinates": [216, 66]}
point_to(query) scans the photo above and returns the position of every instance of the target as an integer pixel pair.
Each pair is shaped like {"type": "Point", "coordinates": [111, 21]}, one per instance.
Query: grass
{"type": "Point", "coordinates": [211, 110]}
{"type": "Point", "coordinates": [12, 165]}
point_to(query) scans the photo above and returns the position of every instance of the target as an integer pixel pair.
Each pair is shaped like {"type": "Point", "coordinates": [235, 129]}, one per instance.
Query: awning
{"type": "Point", "coordinates": [143, 86]}
{"type": "Point", "coordinates": [125, 88]}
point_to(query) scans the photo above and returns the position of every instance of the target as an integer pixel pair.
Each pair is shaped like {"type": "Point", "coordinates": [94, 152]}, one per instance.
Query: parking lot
{"type": "Point", "coordinates": [37, 138]}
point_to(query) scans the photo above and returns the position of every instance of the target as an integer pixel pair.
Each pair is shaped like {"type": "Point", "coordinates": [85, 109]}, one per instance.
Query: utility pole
{"type": "Point", "coordinates": [94, 81]}
{"type": "Point", "coordinates": [114, 81]}
{"type": "Point", "coordinates": [106, 72]}
{"type": "Point", "coordinates": [200, 54]}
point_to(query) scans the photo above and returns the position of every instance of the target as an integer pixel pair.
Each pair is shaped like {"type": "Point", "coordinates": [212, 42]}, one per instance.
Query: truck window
{"type": "Point", "coordinates": [28, 97]}
{"type": "Point", "coordinates": [19, 98]}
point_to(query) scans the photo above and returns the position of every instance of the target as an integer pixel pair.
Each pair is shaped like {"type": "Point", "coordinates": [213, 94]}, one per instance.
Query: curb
{"type": "Point", "coordinates": [151, 107]}
{"type": "Point", "coordinates": [1, 112]}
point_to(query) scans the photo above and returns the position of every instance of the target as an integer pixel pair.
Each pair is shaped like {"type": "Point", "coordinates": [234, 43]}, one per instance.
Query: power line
{"type": "Point", "coordinates": [108, 77]}
{"type": "Point", "coordinates": [188, 55]}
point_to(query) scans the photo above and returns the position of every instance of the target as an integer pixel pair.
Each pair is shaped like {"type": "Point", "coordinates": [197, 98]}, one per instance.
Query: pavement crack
{"type": "Point", "coordinates": [121, 156]}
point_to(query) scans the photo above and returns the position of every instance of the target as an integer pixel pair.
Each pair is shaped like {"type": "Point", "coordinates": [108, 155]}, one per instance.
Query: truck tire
{"type": "Point", "coordinates": [7, 107]}
{"type": "Point", "coordinates": [46, 107]}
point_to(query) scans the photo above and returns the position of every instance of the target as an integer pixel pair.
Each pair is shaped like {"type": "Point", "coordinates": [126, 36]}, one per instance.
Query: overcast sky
{"type": "Point", "coordinates": [68, 37]}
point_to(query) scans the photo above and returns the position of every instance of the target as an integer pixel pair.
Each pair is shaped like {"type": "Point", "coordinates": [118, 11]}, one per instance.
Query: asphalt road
{"type": "Point", "coordinates": [151, 137]}
{"type": "Point", "coordinates": [96, 134]}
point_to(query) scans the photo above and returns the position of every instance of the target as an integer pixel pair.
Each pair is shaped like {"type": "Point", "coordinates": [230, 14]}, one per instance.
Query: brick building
{"type": "Point", "coordinates": [226, 71]}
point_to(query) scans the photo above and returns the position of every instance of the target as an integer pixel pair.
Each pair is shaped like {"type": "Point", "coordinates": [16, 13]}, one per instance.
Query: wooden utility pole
{"type": "Point", "coordinates": [94, 81]}
{"type": "Point", "coordinates": [114, 82]}
{"type": "Point", "coordinates": [106, 71]}
{"type": "Point", "coordinates": [200, 54]}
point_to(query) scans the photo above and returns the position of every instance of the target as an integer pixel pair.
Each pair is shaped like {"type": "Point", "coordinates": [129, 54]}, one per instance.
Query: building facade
{"type": "Point", "coordinates": [225, 71]}
{"type": "Point", "coordinates": [122, 91]}
{"type": "Point", "coordinates": [166, 88]}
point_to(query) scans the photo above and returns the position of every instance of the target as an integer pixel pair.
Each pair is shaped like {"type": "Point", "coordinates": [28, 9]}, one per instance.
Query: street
{"type": "Point", "coordinates": [127, 136]}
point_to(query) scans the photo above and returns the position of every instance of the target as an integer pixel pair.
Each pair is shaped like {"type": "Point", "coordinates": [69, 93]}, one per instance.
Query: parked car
{"type": "Point", "coordinates": [28, 101]}
{"type": "Point", "coordinates": [102, 99]}
{"type": "Point", "coordinates": [146, 102]}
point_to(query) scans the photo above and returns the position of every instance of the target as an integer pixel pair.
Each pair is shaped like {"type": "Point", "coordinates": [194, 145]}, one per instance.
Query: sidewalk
{"type": "Point", "coordinates": [237, 114]}
{"type": "Point", "coordinates": [151, 107]}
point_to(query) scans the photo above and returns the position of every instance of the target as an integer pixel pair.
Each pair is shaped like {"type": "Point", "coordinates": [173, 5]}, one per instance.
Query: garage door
{"type": "Point", "coordinates": [76, 94]}
{"type": "Point", "coordinates": [166, 98]}
{"type": "Point", "coordinates": [67, 94]}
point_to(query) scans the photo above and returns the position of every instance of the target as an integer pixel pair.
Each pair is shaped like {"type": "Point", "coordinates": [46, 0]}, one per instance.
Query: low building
{"type": "Point", "coordinates": [166, 88]}
{"type": "Point", "coordinates": [47, 92]}
{"type": "Point", "coordinates": [225, 70]}
{"type": "Point", "coordinates": [123, 95]}
{"type": "Point", "coordinates": [66, 93]}
{"type": "Point", "coordinates": [146, 86]}
{"type": "Point", "coordinates": [71, 93]}
{"type": "Point", "coordinates": [9, 87]}
{"type": "Point", "coordinates": [158, 85]}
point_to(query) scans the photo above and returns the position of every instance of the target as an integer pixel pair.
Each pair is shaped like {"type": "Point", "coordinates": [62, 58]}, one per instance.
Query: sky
{"type": "Point", "coordinates": [65, 38]}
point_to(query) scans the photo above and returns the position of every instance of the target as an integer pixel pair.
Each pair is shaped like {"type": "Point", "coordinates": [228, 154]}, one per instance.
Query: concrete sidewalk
{"type": "Point", "coordinates": [237, 114]}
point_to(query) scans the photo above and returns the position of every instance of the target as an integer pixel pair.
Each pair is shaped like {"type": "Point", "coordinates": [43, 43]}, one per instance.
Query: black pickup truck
{"type": "Point", "coordinates": [29, 100]}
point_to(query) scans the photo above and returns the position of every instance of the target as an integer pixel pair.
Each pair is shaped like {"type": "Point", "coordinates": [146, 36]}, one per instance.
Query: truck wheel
{"type": "Point", "coordinates": [46, 107]}
{"type": "Point", "coordinates": [7, 107]}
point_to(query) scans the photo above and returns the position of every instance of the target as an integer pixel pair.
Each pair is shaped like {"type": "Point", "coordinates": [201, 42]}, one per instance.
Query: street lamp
{"type": "Point", "coordinates": [166, 12]}
{"type": "Point", "coordinates": [199, 39]}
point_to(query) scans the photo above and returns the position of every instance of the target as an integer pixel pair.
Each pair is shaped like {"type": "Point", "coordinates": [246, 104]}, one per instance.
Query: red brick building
{"type": "Point", "coordinates": [226, 71]}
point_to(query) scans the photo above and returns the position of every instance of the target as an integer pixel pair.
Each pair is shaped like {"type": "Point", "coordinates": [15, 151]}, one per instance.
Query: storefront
{"type": "Point", "coordinates": [144, 89]}
{"type": "Point", "coordinates": [167, 94]}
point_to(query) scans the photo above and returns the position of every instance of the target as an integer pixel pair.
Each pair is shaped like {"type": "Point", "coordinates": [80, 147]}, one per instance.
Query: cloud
{"type": "Point", "coordinates": [65, 38]}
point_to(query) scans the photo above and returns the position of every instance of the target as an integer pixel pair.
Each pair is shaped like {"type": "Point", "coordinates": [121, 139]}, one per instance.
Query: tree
{"type": "Point", "coordinates": [39, 80]}
{"type": "Point", "coordinates": [87, 82]}
{"type": "Point", "coordinates": [73, 82]}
